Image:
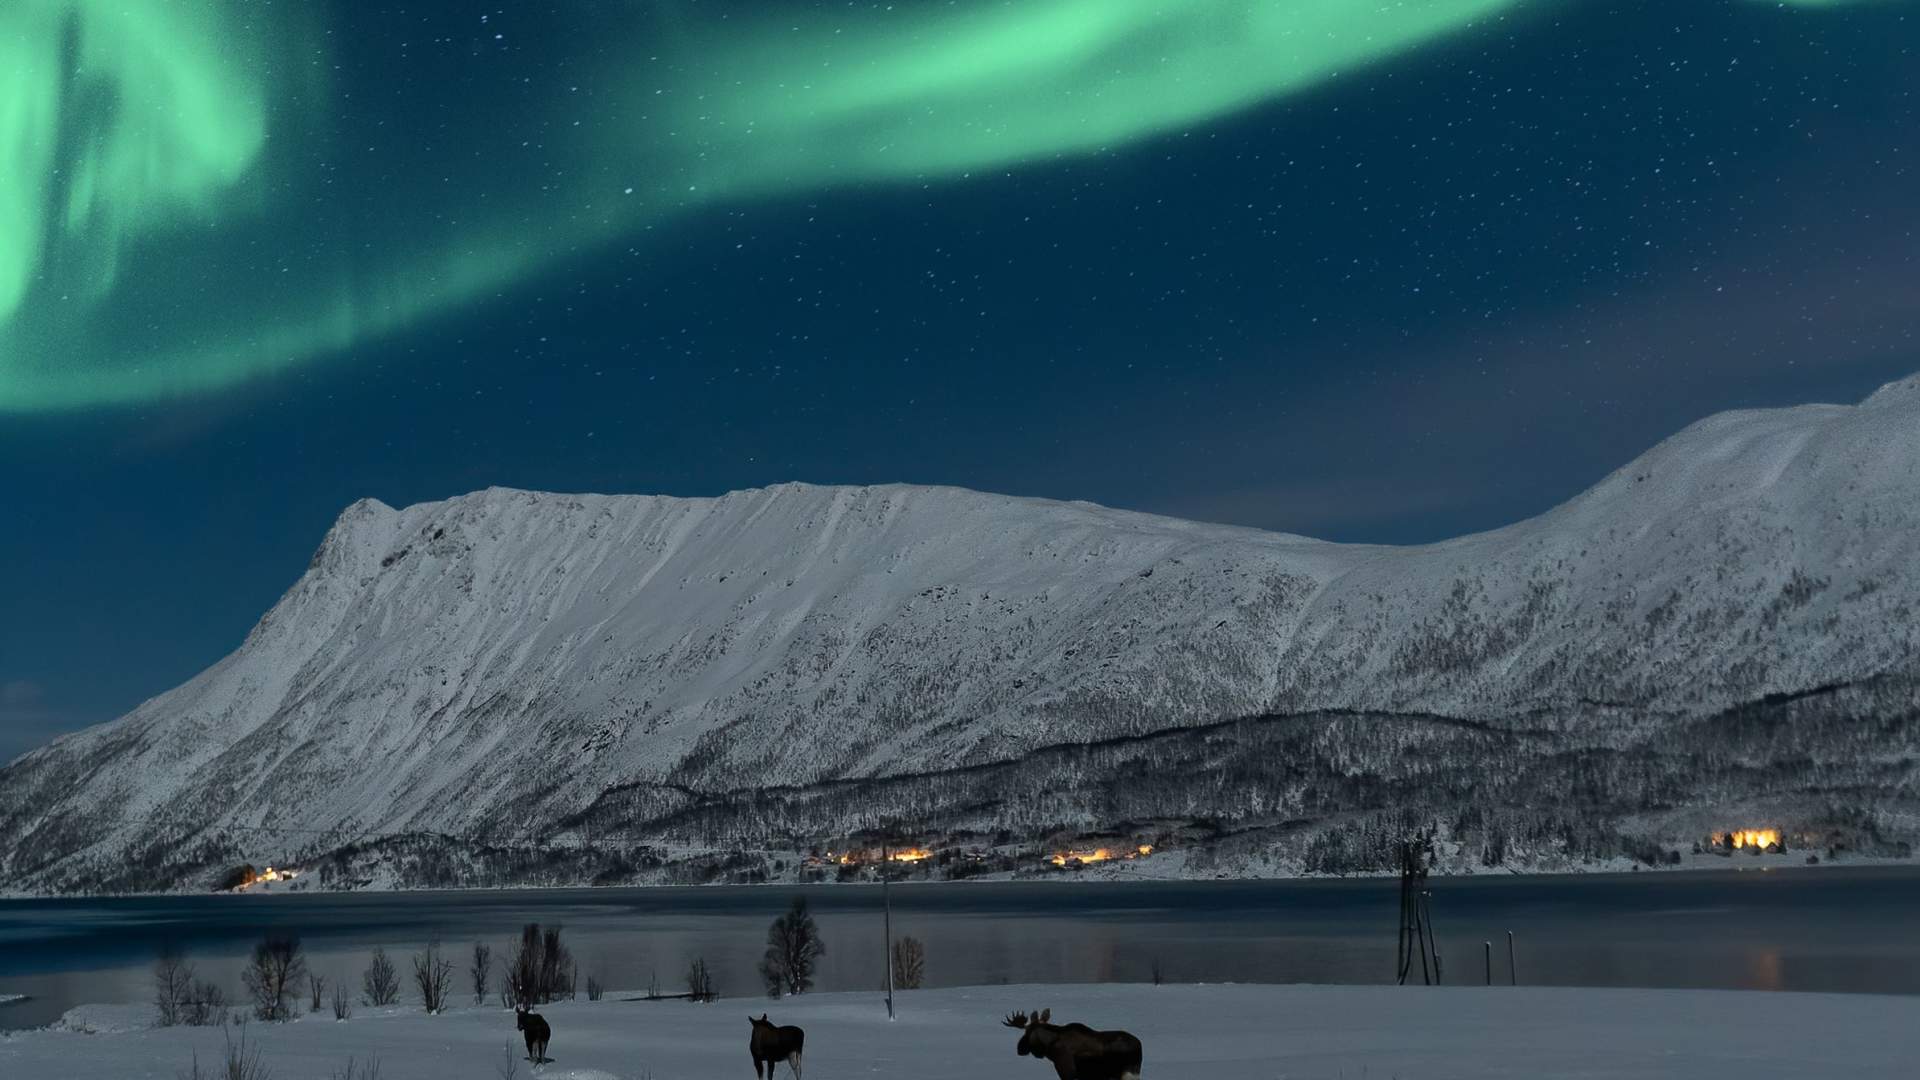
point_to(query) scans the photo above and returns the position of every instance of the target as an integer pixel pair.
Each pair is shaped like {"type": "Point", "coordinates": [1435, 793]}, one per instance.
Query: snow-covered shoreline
{"type": "Point", "coordinates": [1221, 1032]}
{"type": "Point", "coordinates": [1166, 869]}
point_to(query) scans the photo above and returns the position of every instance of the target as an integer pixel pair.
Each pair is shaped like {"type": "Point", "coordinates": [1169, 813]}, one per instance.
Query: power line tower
{"type": "Point", "coordinates": [1416, 912]}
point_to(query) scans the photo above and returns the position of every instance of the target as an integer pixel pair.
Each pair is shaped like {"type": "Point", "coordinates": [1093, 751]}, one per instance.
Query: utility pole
{"type": "Point", "coordinates": [1513, 977]}
{"type": "Point", "coordinates": [886, 900]}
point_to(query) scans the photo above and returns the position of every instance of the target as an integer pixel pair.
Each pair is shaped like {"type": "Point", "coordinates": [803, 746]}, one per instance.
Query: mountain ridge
{"type": "Point", "coordinates": [515, 656]}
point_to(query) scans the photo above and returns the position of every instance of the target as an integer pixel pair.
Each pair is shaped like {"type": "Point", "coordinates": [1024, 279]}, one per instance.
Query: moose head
{"type": "Point", "coordinates": [1029, 1028]}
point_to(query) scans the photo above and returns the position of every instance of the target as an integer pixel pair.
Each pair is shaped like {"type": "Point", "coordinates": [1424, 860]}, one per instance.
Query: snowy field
{"type": "Point", "coordinates": [1213, 1032]}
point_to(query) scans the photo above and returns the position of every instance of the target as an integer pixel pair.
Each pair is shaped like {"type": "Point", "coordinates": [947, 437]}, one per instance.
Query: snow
{"type": "Point", "coordinates": [534, 651]}
{"type": "Point", "coordinates": [1217, 1032]}
{"type": "Point", "coordinates": [8, 999]}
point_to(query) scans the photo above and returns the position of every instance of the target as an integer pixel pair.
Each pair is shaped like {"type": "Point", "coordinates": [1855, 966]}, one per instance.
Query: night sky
{"type": "Point", "coordinates": [1371, 272]}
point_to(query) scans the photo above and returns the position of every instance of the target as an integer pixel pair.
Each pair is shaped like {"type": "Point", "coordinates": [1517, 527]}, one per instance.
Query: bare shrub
{"type": "Point", "coordinates": [240, 1061]}
{"type": "Point", "coordinates": [380, 984]}
{"type": "Point", "coordinates": [316, 991]}
{"type": "Point", "coordinates": [207, 1006]}
{"type": "Point", "coordinates": [909, 963]}
{"type": "Point", "coordinates": [481, 970]}
{"type": "Point", "coordinates": [700, 985]}
{"type": "Point", "coordinates": [432, 973]}
{"type": "Point", "coordinates": [594, 988]}
{"type": "Point", "coordinates": [276, 968]}
{"type": "Point", "coordinates": [342, 1002]}
{"type": "Point", "coordinates": [365, 1070]}
{"type": "Point", "coordinates": [793, 948]}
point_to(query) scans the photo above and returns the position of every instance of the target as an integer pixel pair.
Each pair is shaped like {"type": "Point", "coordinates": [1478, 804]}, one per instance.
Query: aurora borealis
{"type": "Point", "coordinates": [1383, 271]}
{"type": "Point", "coordinates": [152, 156]}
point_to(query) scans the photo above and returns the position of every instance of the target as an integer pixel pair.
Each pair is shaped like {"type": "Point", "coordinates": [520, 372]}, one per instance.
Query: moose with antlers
{"type": "Point", "coordinates": [1077, 1051]}
{"type": "Point", "coordinates": [774, 1045]}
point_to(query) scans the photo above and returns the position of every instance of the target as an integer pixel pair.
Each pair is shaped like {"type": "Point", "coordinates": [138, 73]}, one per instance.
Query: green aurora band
{"type": "Point", "coordinates": [162, 229]}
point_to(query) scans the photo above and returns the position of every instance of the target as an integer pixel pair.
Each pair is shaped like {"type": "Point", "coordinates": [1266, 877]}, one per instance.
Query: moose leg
{"type": "Point", "coordinates": [795, 1062]}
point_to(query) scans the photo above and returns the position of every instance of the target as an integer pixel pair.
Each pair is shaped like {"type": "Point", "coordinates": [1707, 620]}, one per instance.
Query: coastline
{"type": "Point", "coordinates": [1117, 872]}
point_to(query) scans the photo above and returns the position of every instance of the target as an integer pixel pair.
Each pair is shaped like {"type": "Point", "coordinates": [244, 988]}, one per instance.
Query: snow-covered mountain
{"type": "Point", "coordinates": [525, 664]}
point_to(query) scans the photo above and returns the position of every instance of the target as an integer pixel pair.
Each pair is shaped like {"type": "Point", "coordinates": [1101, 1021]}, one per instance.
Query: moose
{"type": "Point", "coordinates": [536, 1030]}
{"type": "Point", "coordinates": [774, 1045]}
{"type": "Point", "coordinates": [1077, 1051]}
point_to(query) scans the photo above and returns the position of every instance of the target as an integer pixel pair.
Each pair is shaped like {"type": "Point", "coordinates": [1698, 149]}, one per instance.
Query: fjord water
{"type": "Point", "coordinates": [1818, 929]}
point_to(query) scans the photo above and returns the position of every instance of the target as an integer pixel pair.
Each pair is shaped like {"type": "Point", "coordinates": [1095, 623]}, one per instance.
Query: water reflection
{"type": "Point", "coordinates": [1763, 970]}
{"type": "Point", "coordinates": [1826, 929]}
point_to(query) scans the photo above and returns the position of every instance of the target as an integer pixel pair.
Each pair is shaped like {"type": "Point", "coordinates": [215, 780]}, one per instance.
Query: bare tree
{"type": "Point", "coordinates": [481, 969]}
{"type": "Point", "coordinates": [909, 963]}
{"type": "Point", "coordinates": [316, 991]}
{"type": "Point", "coordinates": [342, 1002]}
{"type": "Point", "coordinates": [700, 986]}
{"type": "Point", "coordinates": [556, 965]}
{"type": "Point", "coordinates": [539, 967]}
{"type": "Point", "coordinates": [172, 987]}
{"type": "Point", "coordinates": [432, 973]}
{"type": "Point", "coordinates": [380, 984]}
{"type": "Point", "coordinates": [793, 948]}
{"type": "Point", "coordinates": [271, 976]}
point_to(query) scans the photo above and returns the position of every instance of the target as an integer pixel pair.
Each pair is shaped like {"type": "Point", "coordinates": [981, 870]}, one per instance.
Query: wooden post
{"type": "Point", "coordinates": [886, 899]}
{"type": "Point", "coordinates": [1489, 951]}
{"type": "Point", "coordinates": [1513, 977]}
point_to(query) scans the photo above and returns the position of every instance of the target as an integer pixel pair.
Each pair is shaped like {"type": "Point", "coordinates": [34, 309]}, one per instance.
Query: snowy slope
{"type": "Point", "coordinates": [501, 660]}
{"type": "Point", "coordinates": [1216, 1032]}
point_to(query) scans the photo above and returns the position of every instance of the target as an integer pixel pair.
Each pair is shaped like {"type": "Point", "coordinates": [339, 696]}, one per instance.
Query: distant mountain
{"type": "Point", "coordinates": [528, 686]}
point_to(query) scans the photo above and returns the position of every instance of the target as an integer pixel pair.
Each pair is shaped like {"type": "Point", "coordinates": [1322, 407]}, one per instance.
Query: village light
{"type": "Point", "coordinates": [1757, 840]}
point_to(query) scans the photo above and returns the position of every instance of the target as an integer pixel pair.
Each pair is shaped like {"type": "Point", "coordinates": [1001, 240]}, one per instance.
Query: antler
{"type": "Point", "coordinates": [1016, 1020]}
